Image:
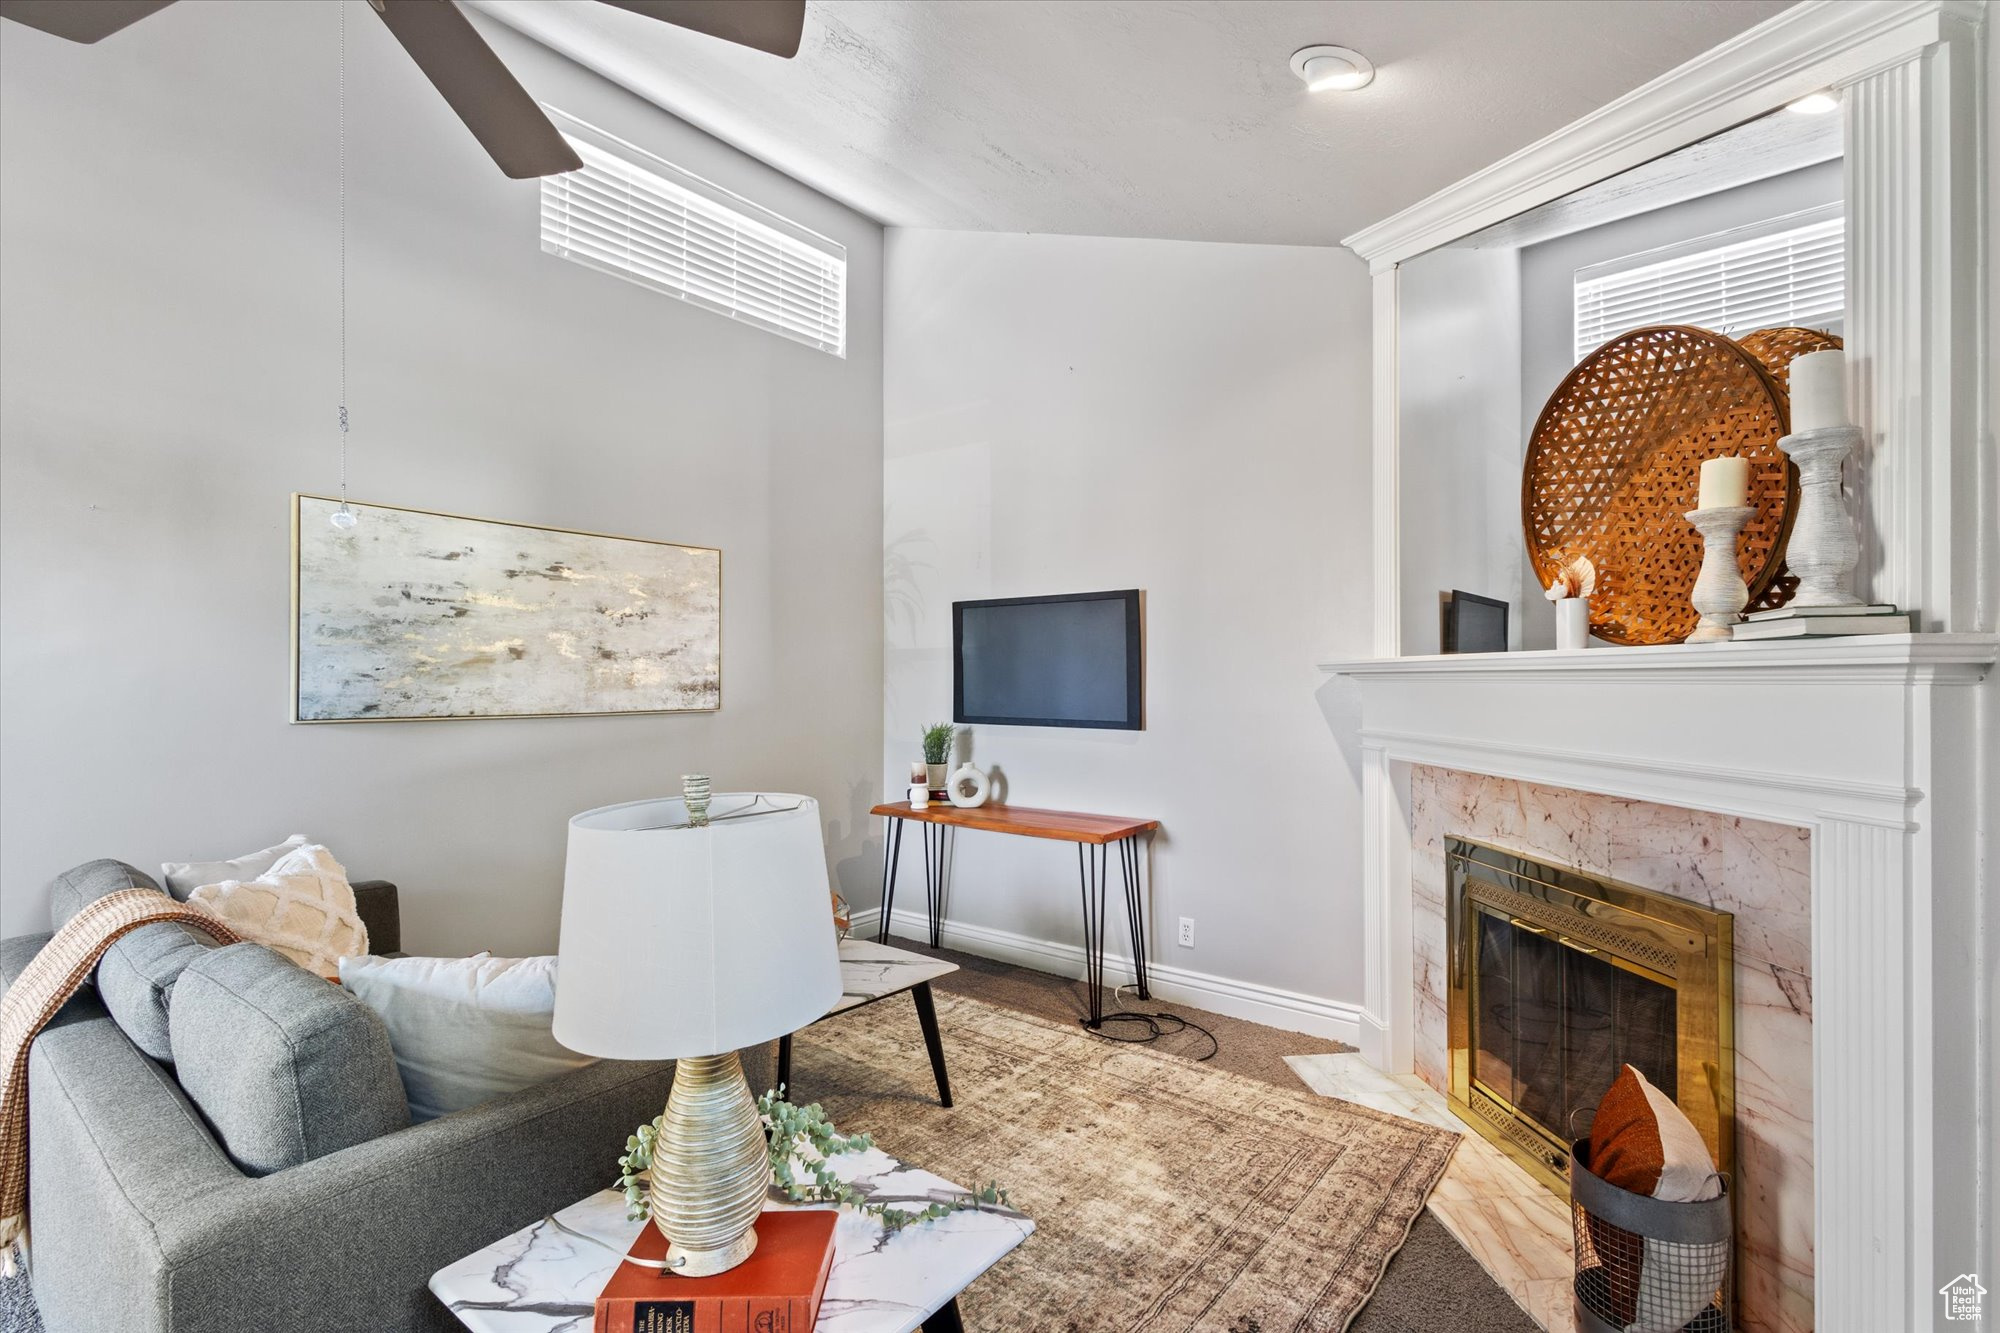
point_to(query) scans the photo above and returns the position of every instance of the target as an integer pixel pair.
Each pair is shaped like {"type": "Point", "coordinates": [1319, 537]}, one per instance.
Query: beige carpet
{"type": "Point", "coordinates": [1166, 1194]}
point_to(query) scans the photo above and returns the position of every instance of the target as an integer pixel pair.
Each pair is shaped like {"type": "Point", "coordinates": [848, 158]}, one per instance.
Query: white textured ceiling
{"type": "Point", "coordinates": [1167, 118]}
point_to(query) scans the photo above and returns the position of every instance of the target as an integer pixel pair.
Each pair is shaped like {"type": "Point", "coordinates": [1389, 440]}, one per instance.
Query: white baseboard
{"type": "Point", "coordinates": [1269, 1005]}
{"type": "Point", "coordinates": [1374, 1040]}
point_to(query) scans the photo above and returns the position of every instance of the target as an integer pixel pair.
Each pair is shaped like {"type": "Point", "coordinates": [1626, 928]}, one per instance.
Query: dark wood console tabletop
{"type": "Point", "coordinates": [1094, 836]}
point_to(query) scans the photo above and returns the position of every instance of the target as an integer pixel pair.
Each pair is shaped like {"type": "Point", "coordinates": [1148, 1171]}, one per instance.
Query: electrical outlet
{"type": "Point", "coordinates": [1187, 932]}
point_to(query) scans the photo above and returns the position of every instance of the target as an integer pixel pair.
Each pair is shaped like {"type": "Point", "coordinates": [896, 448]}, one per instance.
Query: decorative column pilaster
{"type": "Point", "coordinates": [1912, 186]}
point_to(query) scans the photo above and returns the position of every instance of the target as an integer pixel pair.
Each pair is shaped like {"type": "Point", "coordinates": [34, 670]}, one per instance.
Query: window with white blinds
{"type": "Point", "coordinates": [631, 214]}
{"type": "Point", "coordinates": [1789, 271]}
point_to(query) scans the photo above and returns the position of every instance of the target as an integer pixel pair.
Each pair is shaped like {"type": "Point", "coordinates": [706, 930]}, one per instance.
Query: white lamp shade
{"type": "Point", "coordinates": [683, 942]}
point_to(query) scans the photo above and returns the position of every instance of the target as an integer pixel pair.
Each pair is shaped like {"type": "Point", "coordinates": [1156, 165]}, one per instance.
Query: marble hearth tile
{"type": "Point", "coordinates": [1463, 802]}
{"type": "Point", "coordinates": [1550, 1302]}
{"type": "Point", "coordinates": [1761, 873]}
{"type": "Point", "coordinates": [1774, 1179]}
{"type": "Point", "coordinates": [1433, 1062]}
{"type": "Point", "coordinates": [1563, 826]}
{"type": "Point", "coordinates": [1506, 1219]}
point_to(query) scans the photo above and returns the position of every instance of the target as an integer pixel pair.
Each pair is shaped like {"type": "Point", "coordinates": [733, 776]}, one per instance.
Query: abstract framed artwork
{"type": "Point", "coordinates": [411, 615]}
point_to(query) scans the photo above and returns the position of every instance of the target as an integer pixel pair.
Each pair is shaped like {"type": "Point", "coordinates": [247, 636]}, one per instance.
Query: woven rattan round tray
{"type": "Point", "coordinates": [1615, 460]}
{"type": "Point", "coordinates": [1776, 349]}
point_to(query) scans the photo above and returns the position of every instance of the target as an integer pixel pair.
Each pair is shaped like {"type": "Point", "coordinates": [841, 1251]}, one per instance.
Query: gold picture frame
{"type": "Point", "coordinates": [495, 628]}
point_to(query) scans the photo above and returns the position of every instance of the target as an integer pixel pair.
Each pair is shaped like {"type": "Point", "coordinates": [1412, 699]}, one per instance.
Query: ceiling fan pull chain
{"type": "Point", "coordinates": [343, 517]}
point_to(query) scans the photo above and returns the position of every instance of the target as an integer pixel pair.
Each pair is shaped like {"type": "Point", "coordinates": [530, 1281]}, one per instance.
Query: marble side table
{"type": "Point", "coordinates": [870, 971]}
{"type": "Point", "coordinates": [542, 1280]}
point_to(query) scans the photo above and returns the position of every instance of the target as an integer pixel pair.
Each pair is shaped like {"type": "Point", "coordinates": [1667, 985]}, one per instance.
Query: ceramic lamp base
{"type": "Point", "coordinates": [711, 1170]}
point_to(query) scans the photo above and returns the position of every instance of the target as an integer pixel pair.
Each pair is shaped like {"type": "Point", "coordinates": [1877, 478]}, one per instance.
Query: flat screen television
{"type": "Point", "coordinates": [1069, 661]}
{"type": "Point", "coordinates": [1473, 624]}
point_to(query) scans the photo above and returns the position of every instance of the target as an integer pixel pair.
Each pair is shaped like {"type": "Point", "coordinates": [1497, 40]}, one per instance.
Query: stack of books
{"type": "Point", "coordinates": [776, 1290]}
{"type": "Point", "coordinates": [1821, 622]}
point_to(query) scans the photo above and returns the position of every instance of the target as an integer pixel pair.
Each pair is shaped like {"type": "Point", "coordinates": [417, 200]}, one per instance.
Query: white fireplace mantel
{"type": "Point", "coordinates": [1871, 744]}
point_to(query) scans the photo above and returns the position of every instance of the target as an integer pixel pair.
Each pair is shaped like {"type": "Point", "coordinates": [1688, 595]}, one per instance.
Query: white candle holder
{"type": "Point", "coordinates": [1719, 593]}
{"type": "Point", "coordinates": [1823, 547]}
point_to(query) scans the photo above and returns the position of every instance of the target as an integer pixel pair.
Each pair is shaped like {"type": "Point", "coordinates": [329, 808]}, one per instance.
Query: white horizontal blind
{"type": "Point", "coordinates": [1759, 278]}
{"type": "Point", "coordinates": [645, 220]}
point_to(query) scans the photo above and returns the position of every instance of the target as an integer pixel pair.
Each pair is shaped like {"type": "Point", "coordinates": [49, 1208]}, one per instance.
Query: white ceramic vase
{"type": "Point", "coordinates": [968, 787]}
{"type": "Point", "coordinates": [1572, 624]}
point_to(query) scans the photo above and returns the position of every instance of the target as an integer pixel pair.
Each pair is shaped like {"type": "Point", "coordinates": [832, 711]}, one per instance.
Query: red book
{"type": "Point", "coordinates": [776, 1290]}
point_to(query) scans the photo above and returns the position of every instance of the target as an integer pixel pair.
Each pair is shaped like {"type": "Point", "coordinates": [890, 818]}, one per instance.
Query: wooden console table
{"type": "Point", "coordinates": [1093, 835]}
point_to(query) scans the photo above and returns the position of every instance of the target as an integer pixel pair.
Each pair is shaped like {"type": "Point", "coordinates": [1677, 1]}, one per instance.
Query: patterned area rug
{"type": "Point", "coordinates": [1167, 1195]}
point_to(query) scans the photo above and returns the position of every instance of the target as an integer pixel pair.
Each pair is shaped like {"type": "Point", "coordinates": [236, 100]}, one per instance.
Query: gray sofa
{"type": "Point", "coordinates": [258, 1170]}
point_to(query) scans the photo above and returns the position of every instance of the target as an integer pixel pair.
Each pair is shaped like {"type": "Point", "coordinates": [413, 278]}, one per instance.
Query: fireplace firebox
{"type": "Point", "coordinates": [1557, 979]}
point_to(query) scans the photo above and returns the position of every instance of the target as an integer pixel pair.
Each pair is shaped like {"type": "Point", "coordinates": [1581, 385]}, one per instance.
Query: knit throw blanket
{"type": "Point", "coordinates": [41, 990]}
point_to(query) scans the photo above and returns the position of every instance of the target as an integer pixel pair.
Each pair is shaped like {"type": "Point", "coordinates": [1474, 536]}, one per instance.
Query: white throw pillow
{"type": "Point", "coordinates": [302, 907]}
{"type": "Point", "coordinates": [464, 1030]}
{"type": "Point", "coordinates": [184, 877]}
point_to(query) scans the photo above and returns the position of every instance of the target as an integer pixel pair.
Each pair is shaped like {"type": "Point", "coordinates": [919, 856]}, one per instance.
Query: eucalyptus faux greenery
{"type": "Point", "coordinates": [937, 742]}
{"type": "Point", "coordinates": [801, 1140]}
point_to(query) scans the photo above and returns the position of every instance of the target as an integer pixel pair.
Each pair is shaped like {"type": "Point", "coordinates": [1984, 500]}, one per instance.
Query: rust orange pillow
{"type": "Point", "coordinates": [1645, 1144]}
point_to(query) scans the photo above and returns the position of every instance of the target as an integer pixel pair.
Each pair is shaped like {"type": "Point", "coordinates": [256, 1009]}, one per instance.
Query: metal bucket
{"type": "Point", "coordinates": [1646, 1265]}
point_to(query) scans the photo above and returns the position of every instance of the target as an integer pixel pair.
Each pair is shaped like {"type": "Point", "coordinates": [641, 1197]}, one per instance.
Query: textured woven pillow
{"type": "Point", "coordinates": [302, 907]}
{"type": "Point", "coordinates": [465, 1030]}
{"type": "Point", "coordinates": [184, 877]}
{"type": "Point", "coordinates": [1643, 1143]}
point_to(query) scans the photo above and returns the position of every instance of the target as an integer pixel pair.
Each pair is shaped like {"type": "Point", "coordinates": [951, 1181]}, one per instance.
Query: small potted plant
{"type": "Point", "coordinates": [937, 752]}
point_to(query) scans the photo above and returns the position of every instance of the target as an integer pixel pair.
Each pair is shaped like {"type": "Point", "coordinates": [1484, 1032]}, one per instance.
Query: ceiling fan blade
{"type": "Point", "coordinates": [769, 25]}
{"type": "Point", "coordinates": [79, 20]}
{"type": "Point", "coordinates": [494, 106]}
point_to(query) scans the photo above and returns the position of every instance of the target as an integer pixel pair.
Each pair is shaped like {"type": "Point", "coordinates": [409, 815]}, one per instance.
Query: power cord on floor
{"type": "Point", "coordinates": [1153, 1027]}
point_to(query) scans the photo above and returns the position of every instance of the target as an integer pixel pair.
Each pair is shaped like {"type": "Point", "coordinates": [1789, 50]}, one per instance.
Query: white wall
{"type": "Point", "coordinates": [167, 355]}
{"type": "Point", "coordinates": [1459, 466]}
{"type": "Point", "coordinates": [1068, 414]}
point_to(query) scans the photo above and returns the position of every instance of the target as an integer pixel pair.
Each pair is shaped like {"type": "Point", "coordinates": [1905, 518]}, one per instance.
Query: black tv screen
{"type": "Point", "coordinates": [1473, 624]}
{"type": "Point", "coordinates": [1070, 661]}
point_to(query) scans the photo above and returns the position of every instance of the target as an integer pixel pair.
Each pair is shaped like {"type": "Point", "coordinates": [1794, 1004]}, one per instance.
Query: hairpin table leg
{"type": "Point", "coordinates": [892, 850]}
{"type": "Point", "coordinates": [937, 873]}
{"type": "Point", "coordinates": [1135, 909]}
{"type": "Point", "coordinates": [1090, 859]}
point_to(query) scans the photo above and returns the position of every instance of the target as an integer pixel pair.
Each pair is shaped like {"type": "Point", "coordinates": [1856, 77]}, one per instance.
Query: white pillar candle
{"type": "Point", "coordinates": [1725, 483]}
{"type": "Point", "coordinates": [1819, 390]}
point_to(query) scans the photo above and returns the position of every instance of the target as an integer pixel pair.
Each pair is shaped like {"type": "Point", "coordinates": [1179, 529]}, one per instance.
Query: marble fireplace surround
{"type": "Point", "coordinates": [1865, 749]}
{"type": "Point", "coordinates": [1760, 872]}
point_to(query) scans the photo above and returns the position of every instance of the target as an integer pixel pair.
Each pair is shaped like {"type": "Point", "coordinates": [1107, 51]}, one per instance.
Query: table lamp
{"type": "Point", "coordinates": [689, 940]}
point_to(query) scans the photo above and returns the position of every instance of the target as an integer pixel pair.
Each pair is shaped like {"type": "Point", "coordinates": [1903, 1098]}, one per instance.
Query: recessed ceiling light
{"type": "Point", "coordinates": [1332, 68]}
{"type": "Point", "coordinates": [1814, 104]}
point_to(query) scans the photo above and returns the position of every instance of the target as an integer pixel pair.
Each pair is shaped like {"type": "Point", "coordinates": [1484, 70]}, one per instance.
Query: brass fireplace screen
{"type": "Point", "coordinates": [1557, 979]}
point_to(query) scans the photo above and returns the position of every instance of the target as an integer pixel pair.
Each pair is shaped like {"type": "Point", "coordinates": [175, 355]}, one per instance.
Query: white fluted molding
{"type": "Point", "coordinates": [1912, 186]}
{"type": "Point", "coordinates": [1871, 1180]}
